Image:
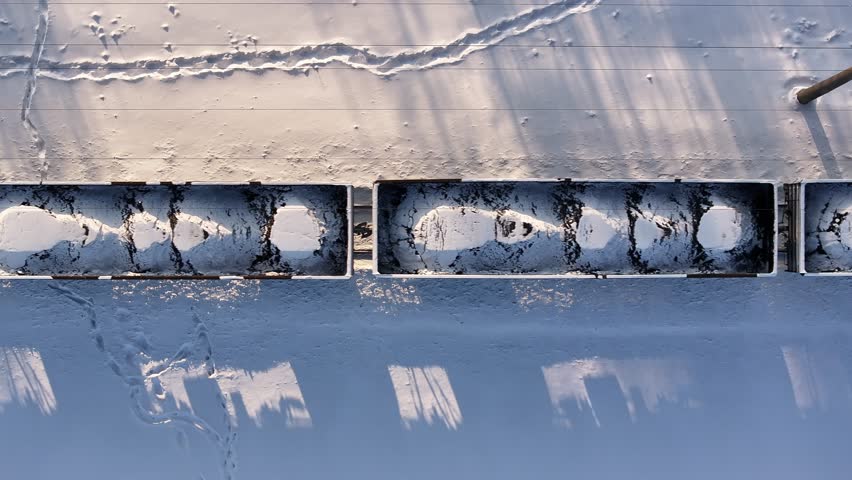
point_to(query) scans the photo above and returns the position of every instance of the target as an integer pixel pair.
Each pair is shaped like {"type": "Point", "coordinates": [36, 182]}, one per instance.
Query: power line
{"type": "Point", "coordinates": [472, 3]}
{"type": "Point", "coordinates": [392, 157]}
{"type": "Point", "coordinates": [427, 45]}
{"type": "Point", "coordinates": [106, 67]}
{"type": "Point", "coordinates": [415, 109]}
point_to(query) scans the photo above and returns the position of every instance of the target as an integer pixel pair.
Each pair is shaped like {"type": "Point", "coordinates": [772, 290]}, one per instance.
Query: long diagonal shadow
{"type": "Point", "coordinates": [823, 145]}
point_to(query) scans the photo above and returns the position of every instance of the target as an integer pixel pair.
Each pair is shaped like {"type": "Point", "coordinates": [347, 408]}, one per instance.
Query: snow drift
{"type": "Point", "coordinates": [574, 228]}
{"type": "Point", "coordinates": [200, 230]}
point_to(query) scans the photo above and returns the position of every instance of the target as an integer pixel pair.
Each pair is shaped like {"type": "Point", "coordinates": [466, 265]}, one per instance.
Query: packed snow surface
{"type": "Point", "coordinates": [449, 228]}
{"type": "Point", "coordinates": [173, 230]}
{"type": "Point", "coordinates": [295, 230]}
{"type": "Point", "coordinates": [575, 228]}
{"type": "Point", "coordinates": [322, 379]}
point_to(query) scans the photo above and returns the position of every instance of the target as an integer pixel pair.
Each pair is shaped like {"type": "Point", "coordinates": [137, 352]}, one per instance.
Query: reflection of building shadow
{"type": "Point", "coordinates": [826, 154]}
{"type": "Point", "coordinates": [820, 380]}
{"type": "Point", "coordinates": [24, 380]}
{"type": "Point", "coordinates": [424, 394]}
{"type": "Point", "coordinates": [648, 380]}
{"type": "Point", "coordinates": [275, 390]}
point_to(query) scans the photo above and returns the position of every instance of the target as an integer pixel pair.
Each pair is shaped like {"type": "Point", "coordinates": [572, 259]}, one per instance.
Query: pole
{"type": "Point", "coordinates": [808, 95]}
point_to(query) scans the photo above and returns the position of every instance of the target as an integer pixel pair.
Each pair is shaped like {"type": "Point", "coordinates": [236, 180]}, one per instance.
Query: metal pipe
{"type": "Point", "coordinates": [808, 95]}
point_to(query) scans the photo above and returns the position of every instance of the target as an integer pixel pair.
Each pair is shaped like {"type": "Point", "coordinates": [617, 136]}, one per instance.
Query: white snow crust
{"type": "Point", "coordinates": [296, 231]}
{"type": "Point", "coordinates": [27, 229]}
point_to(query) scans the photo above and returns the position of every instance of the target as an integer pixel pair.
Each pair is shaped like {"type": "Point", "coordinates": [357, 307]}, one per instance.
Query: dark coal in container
{"type": "Point", "coordinates": [198, 230]}
{"type": "Point", "coordinates": [575, 228]}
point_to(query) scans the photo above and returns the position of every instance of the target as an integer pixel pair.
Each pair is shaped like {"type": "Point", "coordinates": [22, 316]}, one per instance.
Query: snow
{"type": "Point", "coordinates": [499, 379]}
{"type": "Point", "coordinates": [595, 229]}
{"type": "Point", "coordinates": [296, 231]}
{"type": "Point", "coordinates": [294, 124]}
{"type": "Point", "coordinates": [24, 380]}
{"type": "Point", "coordinates": [31, 229]}
{"type": "Point", "coordinates": [556, 377]}
{"type": "Point", "coordinates": [256, 391]}
{"type": "Point", "coordinates": [146, 231]}
{"type": "Point", "coordinates": [425, 394]}
{"type": "Point", "coordinates": [447, 228]}
{"type": "Point", "coordinates": [191, 230]}
{"type": "Point", "coordinates": [720, 228]}
{"type": "Point", "coordinates": [656, 380]}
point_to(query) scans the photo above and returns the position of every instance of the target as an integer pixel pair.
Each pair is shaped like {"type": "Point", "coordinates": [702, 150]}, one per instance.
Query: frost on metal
{"type": "Point", "coordinates": [827, 227]}
{"type": "Point", "coordinates": [174, 230]}
{"type": "Point", "coordinates": [574, 228]}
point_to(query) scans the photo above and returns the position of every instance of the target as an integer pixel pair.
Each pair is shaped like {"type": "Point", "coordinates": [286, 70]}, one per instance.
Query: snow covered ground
{"type": "Point", "coordinates": [387, 378]}
{"type": "Point", "coordinates": [570, 89]}
{"type": "Point", "coordinates": [384, 378]}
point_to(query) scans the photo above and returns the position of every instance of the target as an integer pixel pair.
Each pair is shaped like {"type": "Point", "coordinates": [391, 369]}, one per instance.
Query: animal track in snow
{"type": "Point", "coordinates": [303, 59]}
{"type": "Point", "coordinates": [132, 364]}
{"type": "Point", "coordinates": [32, 72]}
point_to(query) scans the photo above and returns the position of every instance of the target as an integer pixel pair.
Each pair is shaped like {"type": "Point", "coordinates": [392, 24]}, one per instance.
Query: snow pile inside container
{"type": "Point", "coordinates": [828, 227]}
{"type": "Point", "coordinates": [173, 230]}
{"type": "Point", "coordinates": [574, 228]}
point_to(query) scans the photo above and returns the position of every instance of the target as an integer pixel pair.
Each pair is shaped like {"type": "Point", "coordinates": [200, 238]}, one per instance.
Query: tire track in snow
{"type": "Point", "coordinates": [32, 72]}
{"type": "Point", "coordinates": [303, 59]}
{"type": "Point", "coordinates": [135, 342]}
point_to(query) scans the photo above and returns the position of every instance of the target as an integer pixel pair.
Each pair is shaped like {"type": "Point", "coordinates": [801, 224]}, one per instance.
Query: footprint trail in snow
{"type": "Point", "coordinates": [131, 362]}
{"type": "Point", "coordinates": [305, 58]}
